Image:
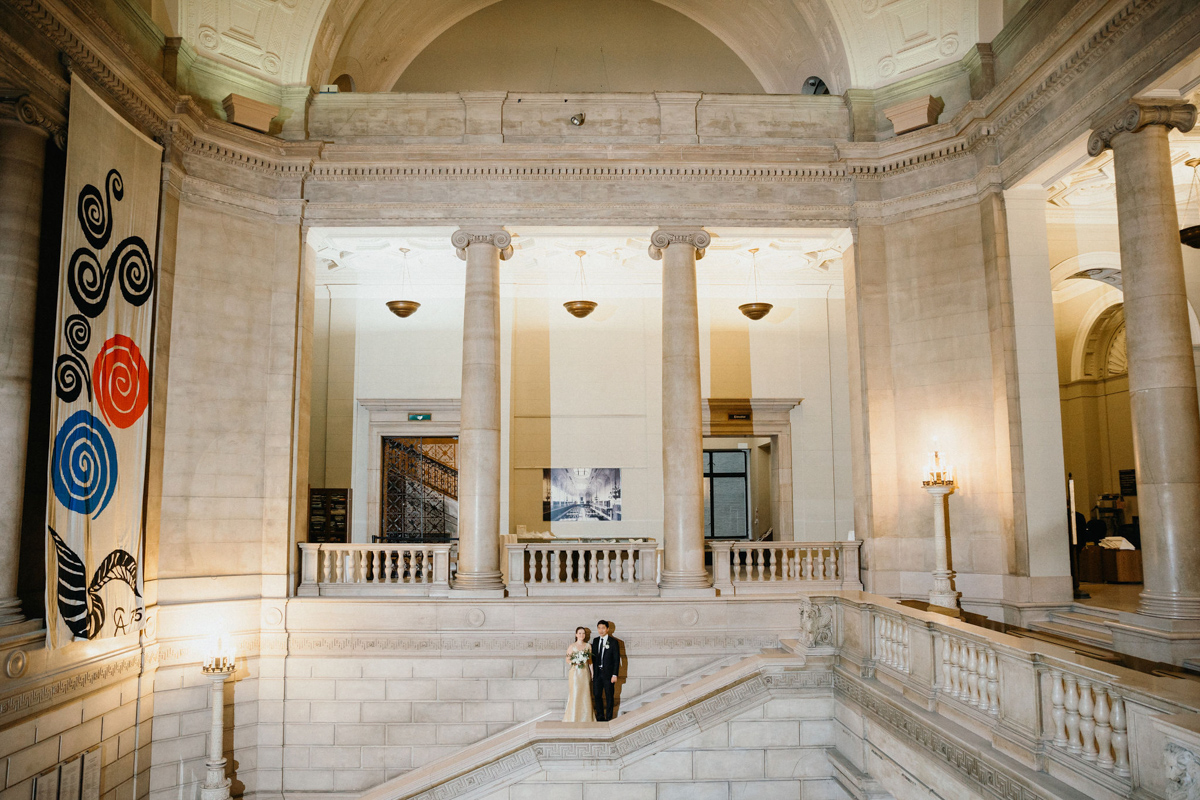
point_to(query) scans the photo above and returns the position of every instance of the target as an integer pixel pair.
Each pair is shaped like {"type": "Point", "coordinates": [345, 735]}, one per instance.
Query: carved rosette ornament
{"type": "Point", "coordinates": [1183, 773]}
{"type": "Point", "coordinates": [499, 239]}
{"type": "Point", "coordinates": [663, 238]}
{"type": "Point", "coordinates": [21, 108]}
{"type": "Point", "coordinates": [1134, 117]}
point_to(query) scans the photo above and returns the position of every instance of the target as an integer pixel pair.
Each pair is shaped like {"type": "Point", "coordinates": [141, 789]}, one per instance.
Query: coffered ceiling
{"type": "Point", "coordinates": [861, 43]}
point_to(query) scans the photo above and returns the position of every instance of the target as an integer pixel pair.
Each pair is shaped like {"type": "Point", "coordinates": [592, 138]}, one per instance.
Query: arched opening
{"type": "Point", "coordinates": [572, 46]}
{"type": "Point", "coordinates": [344, 83]}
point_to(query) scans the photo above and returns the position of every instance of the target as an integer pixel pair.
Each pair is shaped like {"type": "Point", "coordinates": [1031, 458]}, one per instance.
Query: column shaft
{"type": "Point", "coordinates": [22, 158]}
{"type": "Point", "coordinates": [1162, 377]}
{"type": "Point", "coordinates": [683, 458]}
{"type": "Point", "coordinates": [479, 437]}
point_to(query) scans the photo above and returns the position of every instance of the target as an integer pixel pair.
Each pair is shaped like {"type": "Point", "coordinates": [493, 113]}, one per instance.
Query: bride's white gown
{"type": "Point", "coordinates": [579, 695]}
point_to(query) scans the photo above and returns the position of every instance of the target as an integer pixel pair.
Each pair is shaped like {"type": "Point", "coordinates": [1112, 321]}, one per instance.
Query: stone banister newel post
{"type": "Point", "coordinates": [1162, 378]}
{"type": "Point", "coordinates": [479, 436]}
{"type": "Point", "coordinates": [23, 133]}
{"type": "Point", "coordinates": [683, 464]}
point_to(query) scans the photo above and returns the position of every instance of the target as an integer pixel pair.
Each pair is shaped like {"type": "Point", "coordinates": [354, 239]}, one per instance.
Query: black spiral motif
{"type": "Point", "coordinates": [95, 210]}
{"type": "Point", "coordinates": [71, 370]}
{"type": "Point", "coordinates": [89, 283]}
{"type": "Point", "coordinates": [134, 270]}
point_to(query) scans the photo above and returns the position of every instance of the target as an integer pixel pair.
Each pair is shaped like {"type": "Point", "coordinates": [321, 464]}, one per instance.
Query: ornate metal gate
{"type": "Point", "coordinates": [420, 489]}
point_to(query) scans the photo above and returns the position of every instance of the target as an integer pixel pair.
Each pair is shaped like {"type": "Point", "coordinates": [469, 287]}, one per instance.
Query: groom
{"type": "Point", "coordinates": [606, 664]}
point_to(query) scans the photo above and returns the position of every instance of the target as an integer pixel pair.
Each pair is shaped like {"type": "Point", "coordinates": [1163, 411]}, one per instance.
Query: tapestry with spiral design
{"type": "Point", "coordinates": [100, 415]}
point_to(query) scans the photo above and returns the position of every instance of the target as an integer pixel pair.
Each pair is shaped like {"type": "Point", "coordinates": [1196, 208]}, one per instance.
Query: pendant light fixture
{"type": "Point", "coordinates": [580, 308]}
{"type": "Point", "coordinates": [404, 308]}
{"type": "Point", "coordinates": [1189, 234]}
{"type": "Point", "coordinates": [755, 310]}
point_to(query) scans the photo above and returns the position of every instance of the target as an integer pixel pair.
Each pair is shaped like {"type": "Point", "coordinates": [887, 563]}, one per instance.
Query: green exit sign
{"type": "Point", "coordinates": [420, 417]}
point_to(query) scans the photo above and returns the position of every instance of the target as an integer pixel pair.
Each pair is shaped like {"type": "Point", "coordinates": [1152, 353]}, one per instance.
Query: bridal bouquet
{"type": "Point", "coordinates": [580, 658]}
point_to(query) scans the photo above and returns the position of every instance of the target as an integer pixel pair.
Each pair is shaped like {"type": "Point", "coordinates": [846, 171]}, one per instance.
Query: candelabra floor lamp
{"type": "Point", "coordinates": [217, 667]}
{"type": "Point", "coordinates": [940, 483]}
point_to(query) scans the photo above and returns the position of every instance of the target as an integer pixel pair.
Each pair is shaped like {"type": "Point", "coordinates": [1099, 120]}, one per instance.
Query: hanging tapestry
{"type": "Point", "coordinates": [99, 420]}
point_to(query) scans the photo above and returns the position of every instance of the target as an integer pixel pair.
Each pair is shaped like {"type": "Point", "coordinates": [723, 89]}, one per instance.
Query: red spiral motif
{"type": "Point", "coordinates": [122, 381]}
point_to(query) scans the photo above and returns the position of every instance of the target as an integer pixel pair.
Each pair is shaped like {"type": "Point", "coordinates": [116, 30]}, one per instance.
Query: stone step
{"type": "Point", "coordinates": [1087, 621]}
{"type": "Point", "coordinates": [1112, 615]}
{"type": "Point", "coordinates": [1076, 633]}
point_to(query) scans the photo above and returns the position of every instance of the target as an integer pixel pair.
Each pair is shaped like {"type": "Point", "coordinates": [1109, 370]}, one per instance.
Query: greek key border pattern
{"type": "Point", "coordinates": [970, 767]}
{"type": "Point", "coordinates": [70, 685]}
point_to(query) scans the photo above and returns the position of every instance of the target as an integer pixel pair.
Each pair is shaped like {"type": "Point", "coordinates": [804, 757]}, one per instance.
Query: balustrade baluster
{"type": "Point", "coordinates": [952, 668]}
{"type": "Point", "coordinates": [835, 564]}
{"type": "Point", "coordinates": [327, 566]}
{"type": "Point", "coordinates": [972, 675]}
{"type": "Point", "coordinates": [879, 654]}
{"type": "Point", "coordinates": [819, 566]}
{"type": "Point", "coordinates": [1120, 739]}
{"type": "Point", "coordinates": [340, 567]}
{"type": "Point", "coordinates": [756, 575]}
{"type": "Point", "coordinates": [943, 677]}
{"type": "Point", "coordinates": [1103, 730]}
{"type": "Point", "coordinates": [374, 569]}
{"type": "Point", "coordinates": [554, 566]}
{"type": "Point", "coordinates": [993, 683]}
{"type": "Point", "coordinates": [629, 564]}
{"type": "Point", "coordinates": [1087, 723]}
{"type": "Point", "coordinates": [1071, 703]}
{"type": "Point", "coordinates": [1057, 709]}
{"type": "Point", "coordinates": [595, 567]}
{"type": "Point", "coordinates": [428, 570]}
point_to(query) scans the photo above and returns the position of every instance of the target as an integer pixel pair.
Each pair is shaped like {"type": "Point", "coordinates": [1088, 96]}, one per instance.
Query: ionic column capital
{"type": "Point", "coordinates": [496, 237]}
{"type": "Point", "coordinates": [20, 106]}
{"type": "Point", "coordinates": [1135, 116]}
{"type": "Point", "coordinates": [663, 238]}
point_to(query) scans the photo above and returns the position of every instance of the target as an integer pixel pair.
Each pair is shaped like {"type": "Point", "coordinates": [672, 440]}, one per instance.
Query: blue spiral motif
{"type": "Point", "coordinates": [84, 465]}
{"type": "Point", "coordinates": [95, 214]}
{"type": "Point", "coordinates": [89, 283]}
{"type": "Point", "coordinates": [71, 370]}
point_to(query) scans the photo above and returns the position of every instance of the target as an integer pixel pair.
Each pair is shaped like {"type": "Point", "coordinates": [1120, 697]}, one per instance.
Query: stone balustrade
{"type": "Point", "coordinates": [1053, 709]}
{"type": "Point", "coordinates": [968, 672]}
{"type": "Point", "coordinates": [375, 569]}
{"type": "Point", "coordinates": [582, 568]}
{"type": "Point", "coordinates": [783, 567]}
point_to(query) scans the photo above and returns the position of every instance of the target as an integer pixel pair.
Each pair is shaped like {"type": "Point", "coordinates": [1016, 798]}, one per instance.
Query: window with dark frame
{"type": "Point", "coordinates": [726, 494]}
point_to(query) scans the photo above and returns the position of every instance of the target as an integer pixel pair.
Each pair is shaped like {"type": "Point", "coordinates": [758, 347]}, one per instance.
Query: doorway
{"type": "Point", "coordinates": [420, 489]}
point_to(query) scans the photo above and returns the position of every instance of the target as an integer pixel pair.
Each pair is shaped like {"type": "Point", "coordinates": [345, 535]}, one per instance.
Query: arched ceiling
{"type": "Point", "coordinates": [860, 43]}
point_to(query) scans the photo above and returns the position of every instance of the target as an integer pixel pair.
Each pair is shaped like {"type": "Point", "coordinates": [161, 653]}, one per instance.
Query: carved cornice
{"type": "Point", "coordinates": [21, 108]}
{"type": "Point", "coordinates": [1134, 117]}
{"type": "Point", "coordinates": [498, 238]}
{"type": "Point", "coordinates": [663, 238]}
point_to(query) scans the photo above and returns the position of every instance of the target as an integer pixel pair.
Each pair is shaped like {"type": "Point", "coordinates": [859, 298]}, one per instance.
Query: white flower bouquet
{"type": "Point", "coordinates": [581, 658]}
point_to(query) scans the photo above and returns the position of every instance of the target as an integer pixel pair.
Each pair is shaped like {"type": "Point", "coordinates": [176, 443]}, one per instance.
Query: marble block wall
{"type": "Point", "coordinates": [776, 751]}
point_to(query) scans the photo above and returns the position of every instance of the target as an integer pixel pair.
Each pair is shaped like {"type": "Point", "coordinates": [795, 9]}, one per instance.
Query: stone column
{"type": "Point", "coordinates": [479, 437]}
{"type": "Point", "coordinates": [683, 459]}
{"type": "Point", "coordinates": [1162, 378]}
{"type": "Point", "coordinates": [22, 158]}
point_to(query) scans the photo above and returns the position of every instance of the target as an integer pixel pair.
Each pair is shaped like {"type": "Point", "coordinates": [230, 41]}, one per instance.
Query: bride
{"type": "Point", "coordinates": [579, 680]}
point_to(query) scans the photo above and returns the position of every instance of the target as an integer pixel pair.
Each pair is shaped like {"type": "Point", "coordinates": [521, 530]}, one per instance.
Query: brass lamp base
{"type": "Point", "coordinates": [1190, 236]}
{"type": "Point", "coordinates": [755, 310]}
{"type": "Point", "coordinates": [579, 308]}
{"type": "Point", "coordinates": [403, 308]}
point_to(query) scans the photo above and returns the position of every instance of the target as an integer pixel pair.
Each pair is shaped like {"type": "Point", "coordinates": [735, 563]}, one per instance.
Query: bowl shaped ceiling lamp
{"type": "Point", "coordinates": [580, 308]}
{"type": "Point", "coordinates": [755, 310]}
{"type": "Point", "coordinates": [404, 308]}
{"type": "Point", "coordinates": [1189, 234]}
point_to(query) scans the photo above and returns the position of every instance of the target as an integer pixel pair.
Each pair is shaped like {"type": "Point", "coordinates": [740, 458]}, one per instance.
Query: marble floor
{"type": "Point", "coordinates": [1114, 596]}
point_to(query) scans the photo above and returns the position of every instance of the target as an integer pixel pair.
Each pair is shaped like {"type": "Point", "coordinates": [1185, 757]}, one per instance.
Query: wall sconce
{"type": "Point", "coordinates": [939, 482]}
{"type": "Point", "coordinates": [218, 666]}
{"type": "Point", "coordinates": [578, 119]}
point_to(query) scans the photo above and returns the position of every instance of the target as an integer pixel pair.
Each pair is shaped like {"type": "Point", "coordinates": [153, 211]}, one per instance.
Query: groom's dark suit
{"type": "Point", "coordinates": [606, 663]}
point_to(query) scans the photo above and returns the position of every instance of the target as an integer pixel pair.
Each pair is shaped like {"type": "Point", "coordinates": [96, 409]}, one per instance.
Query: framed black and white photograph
{"type": "Point", "coordinates": [577, 495]}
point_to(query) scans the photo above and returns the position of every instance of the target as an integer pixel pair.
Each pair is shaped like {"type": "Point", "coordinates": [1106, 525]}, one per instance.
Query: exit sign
{"type": "Point", "coordinates": [420, 417]}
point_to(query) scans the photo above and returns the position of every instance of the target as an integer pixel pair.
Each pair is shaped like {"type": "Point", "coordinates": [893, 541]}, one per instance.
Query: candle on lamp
{"type": "Point", "coordinates": [220, 656]}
